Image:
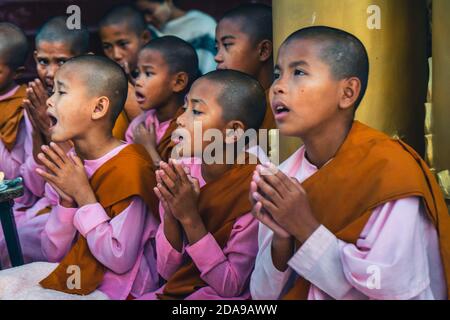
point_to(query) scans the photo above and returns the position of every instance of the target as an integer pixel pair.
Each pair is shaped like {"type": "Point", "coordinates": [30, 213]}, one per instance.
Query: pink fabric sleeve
{"type": "Point", "coordinates": [228, 271]}
{"type": "Point", "coordinates": [267, 282]}
{"type": "Point", "coordinates": [114, 242]}
{"type": "Point", "coordinates": [59, 233]}
{"type": "Point", "coordinates": [389, 260]}
{"type": "Point", "coordinates": [33, 182]}
{"type": "Point", "coordinates": [168, 259]}
{"type": "Point", "coordinates": [10, 162]}
{"type": "Point", "coordinates": [129, 133]}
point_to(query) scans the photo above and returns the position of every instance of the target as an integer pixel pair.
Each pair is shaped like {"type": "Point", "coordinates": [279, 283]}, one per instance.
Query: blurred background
{"type": "Point", "coordinates": [31, 14]}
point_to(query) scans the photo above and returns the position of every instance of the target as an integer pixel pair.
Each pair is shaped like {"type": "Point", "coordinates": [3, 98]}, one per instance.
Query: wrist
{"type": "Point", "coordinates": [85, 197]}
{"type": "Point", "coordinates": [191, 220]}
{"type": "Point", "coordinates": [303, 233]}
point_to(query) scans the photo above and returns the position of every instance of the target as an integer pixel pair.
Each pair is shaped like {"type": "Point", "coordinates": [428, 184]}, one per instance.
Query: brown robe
{"type": "Point", "coordinates": [269, 120]}
{"type": "Point", "coordinates": [125, 175]}
{"type": "Point", "coordinates": [368, 170]}
{"type": "Point", "coordinates": [11, 114]}
{"type": "Point", "coordinates": [121, 126]}
{"type": "Point", "coordinates": [221, 203]}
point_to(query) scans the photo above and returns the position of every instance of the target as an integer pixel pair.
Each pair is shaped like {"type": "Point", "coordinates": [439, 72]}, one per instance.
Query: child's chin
{"type": "Point", "coordinates": [58, 138]}
{"type": "Point", "coordinates": [288, 131]}
{"type": "Point", "coordinates": [146, 107]}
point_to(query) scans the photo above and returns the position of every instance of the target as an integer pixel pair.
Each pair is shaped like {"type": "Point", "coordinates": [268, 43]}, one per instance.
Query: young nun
{"type": "Point", "coordinates": [101, 223]}
{"type": "Point", "coordinates": [123, 33]}
{"type": "Point", "coordinates": [16, 131]}
{"type": "Point", "coordinates": [244, 43]}
{"type": "Point", "coordinates": [207, 241]}
{"type": "Point", "coordinates": [167, 67]}
{"type": "Point", "coordinates": [353, 214]}
{"type": "Point", "coordinates": [55, 44]}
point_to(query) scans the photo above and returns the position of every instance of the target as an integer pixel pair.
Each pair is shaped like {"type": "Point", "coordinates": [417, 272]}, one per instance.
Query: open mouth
{"type": "Point", "coordinates": [140, 98]}
{"type": "Point", "coordinates": [53, 120]}
{"type": "Point", "coordinates": [177, 137]}
{"type": "Point", "coordinates": [279, 109]}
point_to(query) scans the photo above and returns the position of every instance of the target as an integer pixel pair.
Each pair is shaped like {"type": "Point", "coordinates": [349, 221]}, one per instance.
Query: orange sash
{"type": "Point", "coordinates": [126, 175]}
{"type": "Point", "coordinates": [369, 170]}
{"type": "Point", "coordinates": [220, 204]}
{"type": "Point", "coordinates": [11, 114]}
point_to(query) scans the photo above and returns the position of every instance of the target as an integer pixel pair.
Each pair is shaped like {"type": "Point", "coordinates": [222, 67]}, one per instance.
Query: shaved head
{"type": "Point", "coordinates": [13, 45]}
{"type": "Point", "coordinates": [127, 14]}
{"type": "Point", "coordinates": [241, 97]}
{"type": "Point", "coordinates": [254, 19]}
{"type": "Point", "coordinates": [102, 77]}
{"type": "Point", "coordinates": [341, 51]}
{"type": "Point", "coordinates": [55, 30]}
{"type": "Point", "coordinates": [179, 55]}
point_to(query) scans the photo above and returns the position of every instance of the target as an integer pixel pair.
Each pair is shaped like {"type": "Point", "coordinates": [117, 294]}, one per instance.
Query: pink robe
{"type": "Point", "coordinates": [147, 117]}
{"type": "Point", "coordinates": [122, 244]}
{"type": "Point", "coordinates": [20, 161]}
{"type": "Point", "coordinates": [226, 271]}
{"type": "Point", "coordinates": [396, 257]}
{"type": "Point", "coordinates": [31, 226]}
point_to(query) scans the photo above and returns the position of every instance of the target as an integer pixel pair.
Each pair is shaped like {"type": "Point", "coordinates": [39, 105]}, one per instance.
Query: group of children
{"type": "Point", "coordinates": [109, 211]}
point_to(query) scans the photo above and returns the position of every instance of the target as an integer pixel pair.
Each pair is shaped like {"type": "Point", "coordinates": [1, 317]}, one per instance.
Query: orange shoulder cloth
{"type": "Point", "coordinates": [221, 203]}
{"type": "Point", "coordinates": [11, 114]}
{"type": "Point", "coordinates": [269, 120]}
{"type": "Point", "coordinates": [121, 126]}
{"type": "Point", "coordinates": [126, 175]}
{"type": "Point", "coordinates": [369, 170]}
{"type": "Point", "coordinates": [166, 145]}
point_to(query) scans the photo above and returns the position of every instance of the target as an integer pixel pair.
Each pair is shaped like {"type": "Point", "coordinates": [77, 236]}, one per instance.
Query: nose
{"type": "Point", "coordinates": [218, 58]}
{"type": "Point", "coordinates": [138, 80]}
{"type": "Point", "coordinates": [51, 70]}
{"type": "Point", "coordinates": [278, 86]}
{"type": "Point", "coordinates": [181, 119]}
{"type": "Point", "coordinates": [49, 102]}
{"type": "Point", "coordinates": [117, 55]}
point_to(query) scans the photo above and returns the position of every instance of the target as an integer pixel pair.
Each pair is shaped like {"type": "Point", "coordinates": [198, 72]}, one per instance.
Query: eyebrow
{"type": "Point", "coordinates": [197, 101]}
{"type": "Point", "coordinates": [61, 84]}
{"type": "Point", "coordinates": [293, 64]}
{"type": "Point", "coordinates": [298, 63]}
{"type": "Point", "coordinates": [150, 66]}
{"type": "Point", "coordinates": [227, 37]}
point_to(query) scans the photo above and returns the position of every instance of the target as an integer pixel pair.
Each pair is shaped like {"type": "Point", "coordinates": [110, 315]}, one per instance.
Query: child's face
{"type": "Point", "coordinates": [122, 45]}
{"type": "Point", "coordinates": [155, 13]}
{"type": "Point", "coordinates": [49, 57]}
{"type": "Point", "coordinates": [69, 107]}
{"type": "Point", "coordinates": [7, 77]}
{"type": "Point", "coordinates": [154, 80]}
{"type": "Point", "coordinates": [304, 95]}
{"type": "Point", "coordinates": [201, 107]}
{"type": "Point", "coordinates": [234, 48]}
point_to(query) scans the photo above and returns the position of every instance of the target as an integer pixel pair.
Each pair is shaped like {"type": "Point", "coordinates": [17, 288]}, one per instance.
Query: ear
{"type": "Point", "coordinates": [146, 37]}
{"type": "Point", "coordinates": [101, 108]}
{"type": "Point", "coordinates": [180, 82]}
{"type": "Point", "coordinates": [35, 56]}
{"type": "Point", "coordinates": [19, 72]}
{"type": "Point", "coordinates": [234, 130]}
{"type": "Point", "coordinates": [265, 49]}
{"type": "Point", "coordinates": [351, 88]}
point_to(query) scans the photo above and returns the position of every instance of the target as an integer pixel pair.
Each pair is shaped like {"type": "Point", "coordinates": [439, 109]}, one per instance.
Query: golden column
{"type": "Point", "coordinates": [438, 125]}
{"type": "Point", "coordinates": [394, 33]}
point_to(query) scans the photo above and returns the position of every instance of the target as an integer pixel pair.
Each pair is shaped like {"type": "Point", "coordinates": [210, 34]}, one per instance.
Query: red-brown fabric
{"type": "Point", "coordinates": [371, 169]}
{"type": "Point", "coordinates": [126, 175]}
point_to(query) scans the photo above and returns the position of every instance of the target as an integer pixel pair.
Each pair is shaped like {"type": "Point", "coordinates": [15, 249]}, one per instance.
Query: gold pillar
{"type": "Point", "coordinates": [394, 101]}
{"type": "Point", "coordinates": [440, 108]}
